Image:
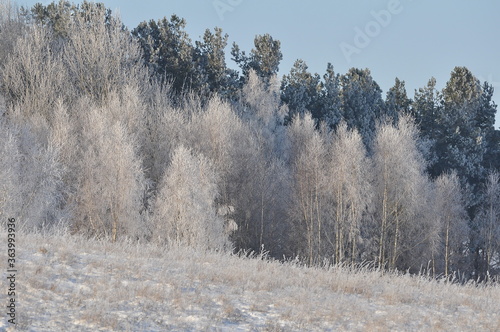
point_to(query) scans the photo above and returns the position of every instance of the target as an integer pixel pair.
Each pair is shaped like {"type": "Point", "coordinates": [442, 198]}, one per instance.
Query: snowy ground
{"type": "Point", "coordinates": [66, 283]}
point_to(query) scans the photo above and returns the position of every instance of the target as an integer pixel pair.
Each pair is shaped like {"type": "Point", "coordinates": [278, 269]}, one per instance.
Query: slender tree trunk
{"type": "Point", "coordinates": [396, 236]}
{"type": "Point", "coordinates": [338, 221]}
{"type": "Point", "coordinates": [309, 242]}
{"type": "Point", "coordinates": [318, 216]}
{"type": "Point", "coordinates": [352, 235]}
{"type": "Point", "coordinates": [489, 246]}
{"type": "Point", "coordinates": [306, 220]}
{"type": "Point", "coordinates": [311, 229]}
{"type": "Point", "coordinates": [115, 207]}
{"type": "Point", "coordinates": [447, 248]}
{"type": "Point", "coordinates": [433, 262]}
{"type": "Point", "coordinates": [383, 229]}
{"type": "Point", "coordinates": [261, 220]}
{"type": "Point", "coordinates": [114, 227]}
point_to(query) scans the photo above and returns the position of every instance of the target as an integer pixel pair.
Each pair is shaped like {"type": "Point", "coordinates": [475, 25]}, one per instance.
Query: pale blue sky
{"type": "Point", "coordinates": [420, 38]}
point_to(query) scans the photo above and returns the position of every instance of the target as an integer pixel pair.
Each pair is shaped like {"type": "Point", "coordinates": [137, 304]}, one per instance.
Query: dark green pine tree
{"type": "Point", "coordinates": [59, 15]}
{"type": "Point", "coordinates": [300, 90]}
{"type": "Point", "coordinates": [264, 58]}
{"type": "Point", "coordinates": [329, 99]}
{"type": "Point", "coordinates": [459, 124]}
{"type": "Point", "coordinates": [425, 108]}
{"type": "Point", "coordinates": [486, 121]}
{"type": "Point", "coordinates": [397, 102]}
{"type": "Point", "coordinates": [168, 51]}
{"type": "Point", "coordinates": [210, 60]}
{"type": "Point", "coordinates": [362, 102]}
{"type": "Point", "coordinates": [465, 121]}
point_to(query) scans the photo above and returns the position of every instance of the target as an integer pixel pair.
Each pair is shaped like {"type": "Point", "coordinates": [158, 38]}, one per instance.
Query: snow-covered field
{"type": "Point", "coordinates": [67, 283]}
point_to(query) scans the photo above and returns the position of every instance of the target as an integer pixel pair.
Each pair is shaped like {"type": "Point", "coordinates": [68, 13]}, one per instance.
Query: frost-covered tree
{"type": "Point", "coordinates": [56, 16]}
{"type": "Point", "coordinates": [397, 101]}
{"type": "Point", "coordinates": [262, 108]}
{"type": "Point", "coordinates": [488, 222]}
{"type": "Point", "coordinates": [261, 205]}
{"type": "Point", "coordinates": [461, 140]}
{"type": "Point", "coordinates": [486, 121]}
{"type": "Point", "coordinates": [12, 27]}
{"type": "Point", "coordinates": [10, 181]}
{"type": "Point", "coordinates": [209, 58]}
{"type": "Point", "coordinates": [63, 138]}
{"type": "Point", "coordinates": [300, 90]}
{"type": "Point", "coordinates": [303, 91]}
{"type": "Point", "coordinates": [399, 183]}
{"type": "Point", "coordinates": [264, 58]}
{"type": "Point", "coordinates": [95, 57]}
{"type": "Point", "coordinates": [362, 102]}
{"type": "Point", "coordinates": [166, 129]}
{"type": "Point", "coordinates": [100, 56]}
{"type": "Point", "coordinates": [33, 77]}
{"type": "Point", "coordinates": [330, 100]}
{"type": "Point", "coordinates": [168, 51]}
{"type": "Point", "coordinates": [451, 219]}
{"type": "Point", "coordinates": [185, 207]}
{"type": "Point", "coordinates": [425, 108]}
{"type": "Point", "coordinates": [216, 132]}
{"type": "Point", "coordinates": [30, 177]}
{"type": "Point", "coordinates": [262, 185]}
{"type": "Point", "coordinates": [349, 192]}
{"type": "Point", "coordinates": [110, 183]}
{"type": "Point", "coordinates": [308, 162]}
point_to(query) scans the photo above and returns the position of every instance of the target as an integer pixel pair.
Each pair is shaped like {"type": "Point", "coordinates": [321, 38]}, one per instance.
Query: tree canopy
{"type": "Point", "coordinates": [147, 135]}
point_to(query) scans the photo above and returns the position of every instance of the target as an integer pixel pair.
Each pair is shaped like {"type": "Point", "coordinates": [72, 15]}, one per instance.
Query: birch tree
{"type": "Point", "coordinates": [110, 184]}
{"type": "Point", "coordinates": [33, 75]}
{"type": "Point", "coordinates": [30, 177]}
{"type": "Point", "coordinates": [452, 219]}
{"type": "Point", "coordinates": [100, 56]}
{"type": "Point", "coordinates": [308, 167]}
{"type": "Point", "coordinates": [489, 221]}
{"type": "Point", "coordinates": [12, 27]}
{"type": "Point", "coordinates": [399, 183]}
{"type": "Point", "coordinates": [262, 174]}
{"type": "Point", "coordinates": [349, 189]}
{"type": "Point", "coordinates": [185, 207]}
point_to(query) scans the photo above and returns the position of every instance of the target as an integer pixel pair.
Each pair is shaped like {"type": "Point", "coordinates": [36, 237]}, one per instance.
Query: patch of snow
{"type": "Point", "coordinates": [80, 285]}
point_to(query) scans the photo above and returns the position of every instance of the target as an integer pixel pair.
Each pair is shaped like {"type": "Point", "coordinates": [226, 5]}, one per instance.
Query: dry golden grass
{"type": "Point", "coordinates": [79, 284]}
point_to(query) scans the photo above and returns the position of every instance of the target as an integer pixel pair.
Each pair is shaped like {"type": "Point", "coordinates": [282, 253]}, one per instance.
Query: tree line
{"type": "Point", "coordinates": [144, 134]}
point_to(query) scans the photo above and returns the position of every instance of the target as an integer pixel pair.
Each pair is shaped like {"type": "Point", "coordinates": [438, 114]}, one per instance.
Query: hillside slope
{"type": "Point", "coordinates": [67, 283]}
